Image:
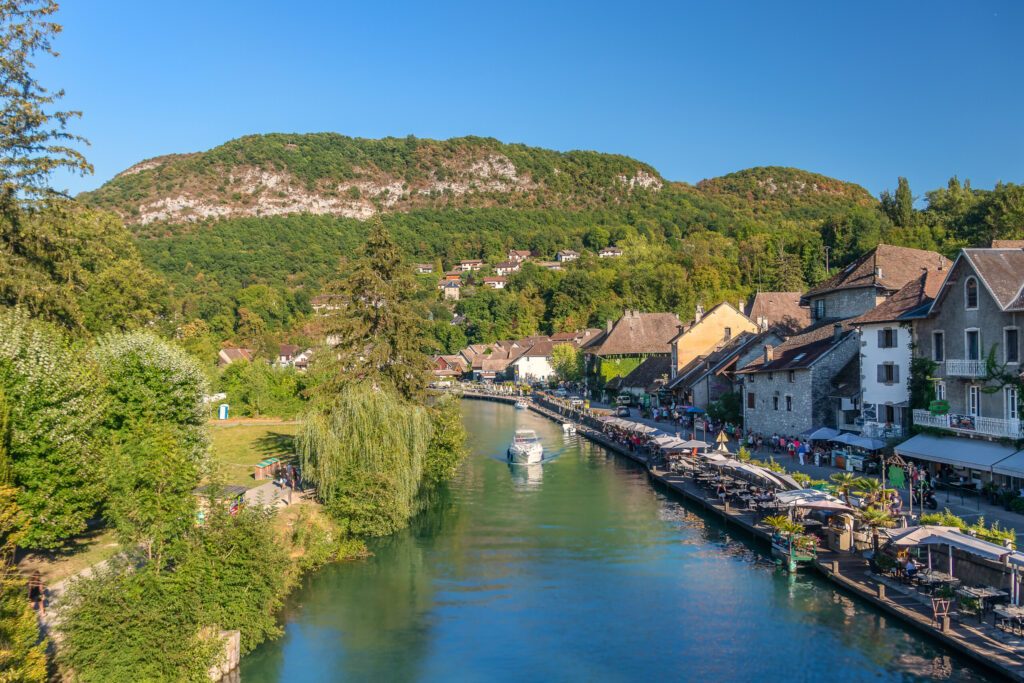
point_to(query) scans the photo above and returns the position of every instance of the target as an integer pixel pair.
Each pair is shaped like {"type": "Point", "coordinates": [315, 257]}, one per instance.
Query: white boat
{"type": "Point", "coordinates": [522, 405]}
{"type": "Point", "coordinates": [526, 447]}
{"type": "Point", "coordinates": [568, 428]}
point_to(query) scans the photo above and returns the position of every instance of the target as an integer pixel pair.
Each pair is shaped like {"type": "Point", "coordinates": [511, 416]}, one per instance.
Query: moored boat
{"type": "Point", "coordinates": [526, 447]}
{"type": "Point", "coordinates": [568, 428]}
{"type": "Point", "coordinates": [522, 405]}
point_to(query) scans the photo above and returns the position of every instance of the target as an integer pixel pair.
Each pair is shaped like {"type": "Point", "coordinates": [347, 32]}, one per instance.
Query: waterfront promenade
{"type": "Point", "coordinates": [995, 650]}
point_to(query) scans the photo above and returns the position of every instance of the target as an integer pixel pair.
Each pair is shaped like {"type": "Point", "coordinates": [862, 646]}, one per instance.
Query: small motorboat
{"type": "Point", "coordinates": [568, 428]}
{"type": "Point", "coordinates": [526, 447]}
{"type": "Point", "coordinates": [522, 405]}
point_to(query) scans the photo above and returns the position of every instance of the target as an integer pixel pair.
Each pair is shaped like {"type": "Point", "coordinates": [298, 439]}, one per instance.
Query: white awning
{"type": "Point", "coordinates": [940, 535]}
{"type": "Point", "coordinates": [955, 451]}
{"type": "Point", "coordinates": [1012, 466]}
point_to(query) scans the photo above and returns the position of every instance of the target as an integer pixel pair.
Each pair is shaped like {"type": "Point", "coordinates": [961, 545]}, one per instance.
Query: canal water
{"type": "Point", "coordinates": [578, 570]}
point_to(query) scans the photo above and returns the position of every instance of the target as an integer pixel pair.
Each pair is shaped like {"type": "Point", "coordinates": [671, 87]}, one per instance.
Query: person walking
{"type": "Point", "coordinates": [37, 593]}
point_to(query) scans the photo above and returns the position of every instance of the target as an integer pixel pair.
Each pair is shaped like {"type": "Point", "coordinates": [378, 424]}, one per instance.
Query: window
{"type": "Point", "coordinates": [789, 404]}
{"type": "Point", "coordinates": [818, 309]}
{"type": "Point", "coordinates": [971, 293]}
{"type": "Point", "coordinates": [888, 373]}
{"type": "Point", "coordinates": [938, 347]}
{"type": "Point", "coordinates": [792, 376]}
{"type": "Point", "coordinates": [889, 413]}
{"type": "Point", "coordinates": [974, 400]}
{"type": "Point", "coordinates": [940, 391]}
{"type": "Point", "coordinates": [727, 333]}
{"type": "Point", "coordinates": [775, 402]}
{"type": "Point", "coordinates": [972, 344]}
{"type": "Point", "coordinates": [1012, 406]}
{"type": "Point", "coordinates": [887, 338]}
{"type": "Point", "coordinates": [751, 400]}
{"type": "Point", "coordinates": [1011, 345]}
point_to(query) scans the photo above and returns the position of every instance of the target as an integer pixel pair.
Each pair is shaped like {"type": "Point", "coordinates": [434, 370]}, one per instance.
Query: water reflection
{"type": "Point", "coordinates": [577, 569]}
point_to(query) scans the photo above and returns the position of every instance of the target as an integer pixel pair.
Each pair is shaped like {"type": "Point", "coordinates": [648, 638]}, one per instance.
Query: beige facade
{"type": "Point", "coordinates": [721, 323]}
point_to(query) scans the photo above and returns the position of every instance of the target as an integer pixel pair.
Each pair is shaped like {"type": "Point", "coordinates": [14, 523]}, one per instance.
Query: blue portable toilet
{"type": "Point", "coordinates": [222, 411]}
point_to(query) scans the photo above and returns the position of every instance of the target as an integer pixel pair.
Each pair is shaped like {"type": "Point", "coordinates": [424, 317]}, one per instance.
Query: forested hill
{"type": "Point", "coordinates": [326, 173]}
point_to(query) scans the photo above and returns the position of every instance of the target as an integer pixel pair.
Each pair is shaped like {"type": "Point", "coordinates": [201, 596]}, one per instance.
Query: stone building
{"type": "Point", "coordinates": [869, 281]}
{"type": "Point", "coordinates": [977, 314]}
{"type": "Point", "coordinates": [631, 340]}
{"type": "Point", "coordinates": [789, 390]}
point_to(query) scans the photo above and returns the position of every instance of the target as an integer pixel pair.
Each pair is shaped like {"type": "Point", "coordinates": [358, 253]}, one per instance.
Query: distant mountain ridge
{"type": "Point", "coordinates": [326, 173]}
{"type": "Point", "coordinates": [332, 174]}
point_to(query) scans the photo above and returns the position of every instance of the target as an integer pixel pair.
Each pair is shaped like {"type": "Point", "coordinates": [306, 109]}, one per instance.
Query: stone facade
{"type": "Point", "coordinates": [808, 390]}
{"type": "Point", "coordinates": [953, 319]}
{"type": "Point", "coordinates": [841, 304]}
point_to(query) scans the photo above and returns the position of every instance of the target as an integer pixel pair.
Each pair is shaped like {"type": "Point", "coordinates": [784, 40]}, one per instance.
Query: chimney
{"type": "Point", "coordinates": [878, 271]}
{"type": "Point", "coordinates": [698, 314]}
{"type": "Point", "coordinates": [739, 306]}
{"type": "Point", "coordinates": [769, 353]}
{"type": "Point", "coordinates": [837, 332]}
{"type": "Point", "coordinates": [608, 326]}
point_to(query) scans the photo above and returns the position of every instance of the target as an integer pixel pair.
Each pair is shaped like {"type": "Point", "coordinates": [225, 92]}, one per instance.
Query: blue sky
{"type": "Point", "coordinates": [863, 91]}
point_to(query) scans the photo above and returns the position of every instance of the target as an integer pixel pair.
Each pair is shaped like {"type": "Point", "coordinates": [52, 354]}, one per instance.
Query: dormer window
{"type": "Point", "coordinates": [971, 293]}
{"type": "Point", "coordinates": [818, 309]}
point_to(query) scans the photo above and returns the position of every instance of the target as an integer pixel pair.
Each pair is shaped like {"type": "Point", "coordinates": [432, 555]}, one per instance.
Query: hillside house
{"type": "Point", "coordinates": [497, 282]}
{"type": "Point", "coordinates": [549, 265]}
{"type": "Point", "coordinates": [507, 268]}
{"type": "Point", "coordinates": [610, 252]}
{"type": "Point", "coordinates": [519, 255]}
{"type": "Point", "coordinates": [869, 281]}
{"type": "Point", "coordinates": [228, 356]}
{"type": "Point", "coordinates": [886, 337]}
{"type": "Point", "coordinates": [424, 268]}
{"type": "Point", "coordinates": [469, 265]}
{"type": "Point", "coordinates": [325, 303]}
{"type": "Point", "coordinates": [977, 313]}
{"type": "Point", "coordinates": [789, 390]}
{"type": "Point", "coordinates": [567, 255]}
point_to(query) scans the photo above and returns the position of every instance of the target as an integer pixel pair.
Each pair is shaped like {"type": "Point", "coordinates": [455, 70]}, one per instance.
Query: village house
{"type": "Point", "coordinates": [229, 356]}
{"type": "Point", "coordinates": [610, 252]}
{"type": "Point", "coordinates": [778, 309]}
{"type": "Point", "coordinates": [469, 265]}
{"type": "Point", "coordinates": [507, 268]}
{"type": "Point", "coordinates": [886, 338]}
{"type": "Point", "coordinates": [451, 290]}
{"type": "Point", "coordinates": [567, 255]}
{"type": "Point", "coordinates": [424, 268]}
{"type": "Point", "coordinates": [450, 276]}
{"type": "Point", "coordinates": [325, 303]}
{"type": "Point", "coordinates": [789, 389]}
{"type": "Point", "coordinates": [647, 382]}
{"type": "Point", "coordinates": [869, 281]}
{"type": "Point", "coordinates": [631, 340]}
{"type": "Point", "coordinates": [449, 366]}
{"type": "Point", "coordinates": [519, 255]}
{"type": "Point", "coordinates": [549, 265]}
{"type": "Point", "coordinates": [534, 365]}
{"type": "Point", "coordinates": [708, 377]}
{"type": "Point", "coordinates": [495, 282]}
{"type": "Point", "coordinates": [286, 354]}
{"type": "Point", "coordinates": [977, 315]}
{"type": "Point", "coordinates": [707, 331]}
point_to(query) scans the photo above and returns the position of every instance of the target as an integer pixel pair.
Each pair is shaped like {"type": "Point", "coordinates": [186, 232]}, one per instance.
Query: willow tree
{"type": "Point", "coordinates": [374, 333]}
{"type": "Point", "coordinates": [364, 451]}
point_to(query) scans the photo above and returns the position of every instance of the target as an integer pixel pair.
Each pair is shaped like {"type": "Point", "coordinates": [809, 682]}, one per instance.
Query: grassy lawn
{"type": "Point", "coordinates": [236, 449]}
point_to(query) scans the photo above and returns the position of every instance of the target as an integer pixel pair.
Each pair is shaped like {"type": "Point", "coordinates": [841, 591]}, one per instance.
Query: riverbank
{"type": "Point", "coordinates": [847, 571]}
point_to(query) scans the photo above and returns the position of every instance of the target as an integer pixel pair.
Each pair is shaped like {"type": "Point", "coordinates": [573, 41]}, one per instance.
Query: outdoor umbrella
{"type": "Point", "coordinates": [722, 438]}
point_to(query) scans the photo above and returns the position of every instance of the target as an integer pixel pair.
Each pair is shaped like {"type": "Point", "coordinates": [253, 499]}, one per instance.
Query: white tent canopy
{"type": "Point", "coordinates": [949, 536]}
{"type": "Point", "coordinates": [811, 498]}
{"type": "Point", "coordinates": [821, 434]}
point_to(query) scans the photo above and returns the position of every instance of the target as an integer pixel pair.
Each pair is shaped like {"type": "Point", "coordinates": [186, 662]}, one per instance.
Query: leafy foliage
{"type": "Point", "coordinates": [567, 362]}
{"type": "Point", "coordinates": [257, 389]}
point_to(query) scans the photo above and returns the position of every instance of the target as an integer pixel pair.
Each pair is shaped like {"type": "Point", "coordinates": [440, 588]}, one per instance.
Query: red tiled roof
{"type": "Point", "coordinates": [802, 350]}
{"type": "Point", "coordinates": [779, 308]}
{"type": "Point", "coordinates": [640, 333]}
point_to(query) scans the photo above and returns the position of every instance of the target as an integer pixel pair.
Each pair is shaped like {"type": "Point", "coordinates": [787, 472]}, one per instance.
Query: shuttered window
{"type": "Point", "coordinates": [887, 338]}
{"type": "Point", "coordinates": [751, 400]}
{"type": "Point", "coordinates": [888, 373]}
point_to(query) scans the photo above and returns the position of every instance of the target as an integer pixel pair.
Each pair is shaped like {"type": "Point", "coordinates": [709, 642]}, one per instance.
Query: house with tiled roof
{"type": "Point", "coordinates": [778, 309]}
{"type": "Point", "coordinates": [424, 268]}
{"type": "Point", "coordinates": [628, 342]}
{"type": "Point", "coordinates": [869, 281]}
{"type": "Point", "coordinates": [519, 255]}
{"type": "Point", "coordinates": [610, 252]}
{"type": "Point", "coordinates": [234, 355]}
{"type": "Point", "coordinates": [706, 332]}
{"type": "Point", "coordinates": [647, 380]}
{"type": "Point", "coordinates": [469, 265]}
{"type": "Point", "coordinates": [567, 255]}
{"type": "Point", "coordinates": [507, 267]}
{"type": "Point", "coordinates": [886, 338]}
{"type": "Point", "coordinates": [495, 282]}
{"type": "Point", "coordinates": [976, 315]}
{"type": "Point", "coordinates": [789, 390]}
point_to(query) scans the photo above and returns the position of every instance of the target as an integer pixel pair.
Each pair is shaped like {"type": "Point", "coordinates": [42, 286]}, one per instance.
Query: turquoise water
{"type": "Point", "coordinates": [577, 570]}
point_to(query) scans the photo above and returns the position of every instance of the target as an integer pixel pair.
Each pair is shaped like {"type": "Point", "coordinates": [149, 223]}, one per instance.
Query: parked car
{"type": "Point", "coordinates": [622, 411]}
{"type": "Point", "coordinates": [561, 393]}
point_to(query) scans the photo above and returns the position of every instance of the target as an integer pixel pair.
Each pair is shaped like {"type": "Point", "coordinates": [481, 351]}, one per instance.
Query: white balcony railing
{"type": "Point", "coordinates": [969, 424]}
{"type": "Point", "coordinates": [956, 367]}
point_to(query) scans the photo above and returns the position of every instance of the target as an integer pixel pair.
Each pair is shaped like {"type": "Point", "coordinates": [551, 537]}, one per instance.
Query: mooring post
{"type": "Point", "coordinates": [881, 591]}
{"type": "Point", "coordinates": [835, 567]}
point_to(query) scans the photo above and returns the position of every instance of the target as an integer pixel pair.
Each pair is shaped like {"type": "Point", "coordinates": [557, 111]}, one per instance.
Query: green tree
{"type": "Point", "coordinates": [150, 478]}
{"type": "Point", "coordinates": [376, 335]}
{"type": "Point", "coordinates": [899, 206]}
{"type": "Point", "coordinates": [34, 140]}
{"type": "Point", "coordinates": [567, 362]}
{"type": "Point", "coordinates": [364, 451]}
{"type": "Point", "coordinates": [446, 448]}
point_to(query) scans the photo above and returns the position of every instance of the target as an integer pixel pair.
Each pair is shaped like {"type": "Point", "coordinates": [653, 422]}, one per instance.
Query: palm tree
{"type": "Point", "coordinates": [871, 488]}
{"type": "Point", "coordinates": [845, 482]}
{"type": "Point", "coordinates": [876, 519]}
